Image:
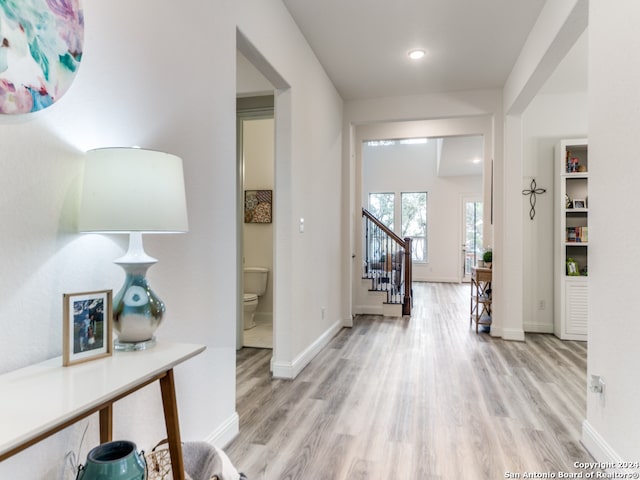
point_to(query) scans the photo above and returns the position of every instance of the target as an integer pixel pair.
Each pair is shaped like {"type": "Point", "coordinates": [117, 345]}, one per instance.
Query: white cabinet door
{"type": "Point", "coordinates": [576, 314]}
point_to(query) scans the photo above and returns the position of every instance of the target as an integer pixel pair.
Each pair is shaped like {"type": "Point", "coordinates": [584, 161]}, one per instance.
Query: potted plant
{"type": "Point", "coordinates": [487, 257]}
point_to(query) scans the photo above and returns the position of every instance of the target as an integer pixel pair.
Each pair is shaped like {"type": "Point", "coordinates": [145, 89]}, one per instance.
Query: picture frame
{"type": "Point", "coordinates": [86, 326]}
{"type": "Point", "coordinates": [258, 206]}
{"type": "Point", "coordinates": [579, 203]}
{"type": "Point", "coordinates": [572, 268]}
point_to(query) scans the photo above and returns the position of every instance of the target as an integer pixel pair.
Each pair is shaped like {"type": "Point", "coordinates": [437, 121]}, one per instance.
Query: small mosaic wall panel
{"type": "Point", "coordinates": [257, 206]}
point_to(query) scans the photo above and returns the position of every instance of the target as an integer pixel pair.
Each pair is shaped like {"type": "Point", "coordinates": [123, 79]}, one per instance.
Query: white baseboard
{"type": "Point", "coordinates": [226, 432]}
{"type": "Point", "coordinates": [538, 327]}
{"type": "Point", "coordinates": [601, 451]}
{"type": "Point", "coordinates": [516, 334]}
{"type": "Point", "coordinates": [368, 309]}
{"type": "Point", "coordinates": [290, 370]}
{"type": "Point", "coordinates": [436, 279]}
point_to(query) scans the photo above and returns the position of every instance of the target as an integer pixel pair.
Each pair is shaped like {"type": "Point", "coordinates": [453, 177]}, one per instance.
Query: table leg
{"type": "Point", "coordinates": [106, 423]}
{"type": "Point", "coordinates": [170, 406]}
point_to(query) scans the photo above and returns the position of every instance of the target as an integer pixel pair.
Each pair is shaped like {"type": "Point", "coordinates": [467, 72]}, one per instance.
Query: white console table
{"type": "Point", "coordinates": [42, 399]}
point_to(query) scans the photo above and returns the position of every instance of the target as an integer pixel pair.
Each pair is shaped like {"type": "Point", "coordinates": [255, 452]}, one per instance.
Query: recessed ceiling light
{"type": "Point", "coordinates": [416, 54]}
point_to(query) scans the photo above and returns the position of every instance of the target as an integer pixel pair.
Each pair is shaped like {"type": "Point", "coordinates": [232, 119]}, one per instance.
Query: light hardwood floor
{"type": "Point", "coordinates": [419, 398]}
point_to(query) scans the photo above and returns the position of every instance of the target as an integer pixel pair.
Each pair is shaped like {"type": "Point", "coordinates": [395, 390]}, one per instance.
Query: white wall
{"type": "Point", "coordinates": [612, 429]}
{"type": "Point", "coordinates": [249, 80]}
{"type": "Point", "coordinates": [413, 168]}
{"type": "Point", "coordinates": [308, 119]}
{"type": "Point", "coordinates": [163, 76]}
{"type": "Point", "coordinates": [134, 88]}
{"type": "Point", "coordinates": [548, 118]}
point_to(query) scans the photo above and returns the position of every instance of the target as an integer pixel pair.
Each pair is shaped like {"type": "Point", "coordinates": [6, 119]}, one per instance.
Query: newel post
{"type": "Point", "coordinates": [408, 276]}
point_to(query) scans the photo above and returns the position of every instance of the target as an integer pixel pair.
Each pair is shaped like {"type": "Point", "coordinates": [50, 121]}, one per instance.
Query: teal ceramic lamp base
{"type": "Point", "coordinates": [137, 310]}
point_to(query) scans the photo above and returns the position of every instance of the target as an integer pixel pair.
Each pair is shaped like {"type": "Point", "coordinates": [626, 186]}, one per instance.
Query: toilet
{"type": "Point", "coordinates": [255, 284]}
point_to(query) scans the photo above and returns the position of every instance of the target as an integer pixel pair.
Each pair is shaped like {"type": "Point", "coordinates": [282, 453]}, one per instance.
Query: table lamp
{"type": "Point", "coordinates": [134, 191]}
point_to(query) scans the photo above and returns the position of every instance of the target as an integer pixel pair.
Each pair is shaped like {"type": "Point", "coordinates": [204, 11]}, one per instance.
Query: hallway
{"type": "Point", "coordinates": [419, 398]}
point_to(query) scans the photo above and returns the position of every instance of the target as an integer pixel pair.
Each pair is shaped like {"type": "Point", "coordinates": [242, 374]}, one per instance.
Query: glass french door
{"type": "Point", "coordinates": [471, 235]}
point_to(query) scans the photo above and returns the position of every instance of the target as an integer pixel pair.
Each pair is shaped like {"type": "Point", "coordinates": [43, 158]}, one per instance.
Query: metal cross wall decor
{"type": "Point", "coordinates": [532, 192]}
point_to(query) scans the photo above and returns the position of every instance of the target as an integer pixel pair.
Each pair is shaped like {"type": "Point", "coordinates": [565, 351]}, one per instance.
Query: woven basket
{"type": "Point", "coordinates": [159, 462]}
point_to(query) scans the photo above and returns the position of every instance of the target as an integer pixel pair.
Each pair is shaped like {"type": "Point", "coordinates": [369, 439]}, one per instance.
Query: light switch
{"type": "Point", "coordinates": [301, 225]}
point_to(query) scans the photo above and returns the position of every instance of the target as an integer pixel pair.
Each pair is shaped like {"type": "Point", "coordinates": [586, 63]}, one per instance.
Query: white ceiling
{"type": "Point", "coordinates": [470, 45]}
{"type": "Point", "coordinates": [363, 44]}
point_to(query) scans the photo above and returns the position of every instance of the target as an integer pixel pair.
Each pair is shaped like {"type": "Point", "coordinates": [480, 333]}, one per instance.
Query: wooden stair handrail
{"type": "Point", "coordinates": [383, 227]}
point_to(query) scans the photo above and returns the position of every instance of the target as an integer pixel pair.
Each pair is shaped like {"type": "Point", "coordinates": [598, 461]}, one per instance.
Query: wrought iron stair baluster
{"type": "Point", "coordinates": [387, 262]}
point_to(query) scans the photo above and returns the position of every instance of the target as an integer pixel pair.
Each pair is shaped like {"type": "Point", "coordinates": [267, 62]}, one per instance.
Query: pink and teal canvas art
{"type": "Point", "coordinates": [40, 52]}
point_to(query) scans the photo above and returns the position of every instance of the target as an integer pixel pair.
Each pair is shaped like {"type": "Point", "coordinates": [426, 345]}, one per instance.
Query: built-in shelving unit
{"type": "Point", "coordinates": [572, 239]}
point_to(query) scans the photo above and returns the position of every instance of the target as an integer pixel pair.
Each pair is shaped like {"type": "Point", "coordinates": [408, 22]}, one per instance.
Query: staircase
{"type": "Point", "coordinates": [387, 265]}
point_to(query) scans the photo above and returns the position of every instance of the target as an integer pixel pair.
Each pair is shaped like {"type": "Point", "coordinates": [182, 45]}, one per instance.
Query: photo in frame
{"type": "Point", "coordinates": [572, 268]}
{"type": "Point", "coordinates": [257, 206]}
{"type": "Point", "coordinates": [579, 204]}
{"type": "Point", "coordinates": [86, 328]}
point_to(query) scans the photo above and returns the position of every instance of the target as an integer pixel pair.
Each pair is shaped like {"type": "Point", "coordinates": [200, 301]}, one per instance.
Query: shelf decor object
{"type": "Point", "coordinates": [116, 460]}
{"type": "Point", "coordinates": [87, 326]}
{"type": "Point", "coordinates": [41, 45]}
{"type": "Point", "coordinates": [532, 192]}
{"type": "Point", "coordinates": [134, 191]}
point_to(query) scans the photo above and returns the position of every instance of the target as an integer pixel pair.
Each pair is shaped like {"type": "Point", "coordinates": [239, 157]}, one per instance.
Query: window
{"type": "Point", "coordinates": [413, 209]}
{"type": "Point", "coordinates": [473, 234]}
{"type": "Point", "coordinates": [391, 143]}
{"type": "Point", "coordinates": [381, 205]}
{"type": "Point", "coordinates": [414, 223]}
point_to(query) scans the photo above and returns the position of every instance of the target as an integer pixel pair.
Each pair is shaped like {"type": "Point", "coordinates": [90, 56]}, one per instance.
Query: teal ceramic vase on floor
{"type": "Point", "coordinates": [117, 460]}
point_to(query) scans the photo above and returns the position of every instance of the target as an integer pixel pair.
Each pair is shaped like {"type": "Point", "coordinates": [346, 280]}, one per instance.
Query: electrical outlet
{"type": "Point", "coordinates": [597, 384]}
{"type": "Point", "coordinates": [601, 386]}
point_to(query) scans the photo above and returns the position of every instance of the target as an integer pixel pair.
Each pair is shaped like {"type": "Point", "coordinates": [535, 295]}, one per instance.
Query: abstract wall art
{"type": "Point", "coordinates": [257, 206]}
{"type": "Point", "coordinates": [41, 45]}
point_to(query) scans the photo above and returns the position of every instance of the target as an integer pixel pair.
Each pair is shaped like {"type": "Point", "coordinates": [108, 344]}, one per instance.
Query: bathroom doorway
{"type": "Point", "coordinates": [256, 135]}
{"type": "Point", "coordinates": [258, 82]}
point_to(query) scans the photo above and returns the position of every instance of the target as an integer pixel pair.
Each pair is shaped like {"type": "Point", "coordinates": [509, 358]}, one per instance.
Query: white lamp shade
{"type": "Point", "coordinates": [133, 190]}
